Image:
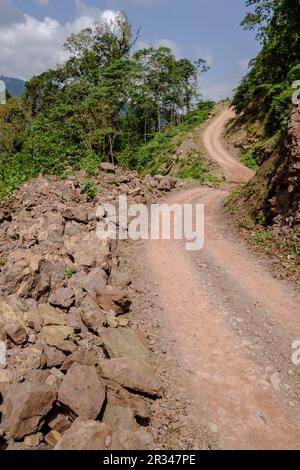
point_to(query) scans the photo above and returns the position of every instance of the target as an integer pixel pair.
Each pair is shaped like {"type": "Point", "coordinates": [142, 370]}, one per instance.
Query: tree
{"type": "Point", "coordinates": [278, 26]}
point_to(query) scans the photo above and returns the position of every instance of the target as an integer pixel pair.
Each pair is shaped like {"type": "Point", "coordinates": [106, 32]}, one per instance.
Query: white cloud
{"type": "Point", "coordinates": [33, 46]}
{"type": "Point", "coordinates": [175, 48]}
{"type": "Point", "coordinates": [217, 91]}
{"type": "Point", "coordinates": [171, 45]}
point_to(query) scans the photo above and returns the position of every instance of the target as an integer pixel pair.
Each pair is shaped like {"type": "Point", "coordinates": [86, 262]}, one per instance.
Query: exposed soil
{"type": "Point", "coordinates": [222, 328]}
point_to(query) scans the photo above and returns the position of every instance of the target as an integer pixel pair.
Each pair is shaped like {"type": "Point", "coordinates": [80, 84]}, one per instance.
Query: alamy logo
{"type": "Point", "coordinates": [296, 95]}
{"type": "Point", "coordinates": [2, 353]}
{"type": "Point", "coordinates": [296, 354]}
{"type": "Point", "coordinates": [157, 222]}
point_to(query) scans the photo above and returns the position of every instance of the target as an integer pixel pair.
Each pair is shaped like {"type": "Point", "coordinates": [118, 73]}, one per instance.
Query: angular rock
{"type": "Point", "coordinates": [33, 440]}
{"type": "Point", "coordinates": [82, 392]}
{"type": "Point", "coordinates": [67, 347]}
{"type": "Point", "coordinates": [123, 342]}
{"type": "Point", "coordinates": [52, 438]}
{"type": "Point", "coordinates": [16, 332]}
{"type": "Point", "coordinates": [54, 335]}
{"type": "Point", "coordinates": [113, 299]}
{"type": "Point", "coordinates": [80, 357]}
{"type": "Point", "coordinates": [146, 439]}
{"type": "Point", "coordinates": [111, 320]}
{"type": "Point", "coordinates": [134, 374]}
{"type": "Point", "coordinates": [127, 440]}
{"type": "Point", "coordinates": [20, 275]}
{"type": "Point", "coordinates": [10, 314]}
{"type": "Point", "coordinates": [36, 375]}
{"type": "Point", "coordinates": [77, 213]}
{"type": "Point", "coordinates": [92, 315]}
{"type": "Point", "coordinates": [167, 183]}
{"type": "Point", "coordinates": [95, 281]}
{"type": "Point", "coordinates": [51, 228]}
{"type": "Point", "coordinates": [118, 417]}
{"type": "Point", "coordinates": [60, 423]}
{"type": "Point", "coordinates": [119, 396]}
{"type": "Point", "coordinates": [25, 406]}
{"type": "Point", "coordinates": [6, 376]}
{"type": "Point", "coordinates": [53, 356]}
{"type": "Point", "coordinates": [50, 316]}
{"type": "Point", "coordinates": [89, 251]}
{"type": "Point", "coordinates": [107, 167]}
{"type": "Point", "coordinates": [26, 359]}
{"type": "Point", "coordinates": [85, 435]}
{"type": "Point", "coordinates": [62, 297]}
{"type": "Point", "coordinates": [32, 320]}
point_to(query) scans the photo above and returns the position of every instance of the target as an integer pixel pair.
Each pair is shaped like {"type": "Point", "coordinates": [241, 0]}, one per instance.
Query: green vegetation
{"type": "Point", "coordinates": [89, 189]}
{"type": "Point", "coordinates": [106, 102]}
{"type": "Point", "coordinates": [265, 94]}
{"type": "Point", "coordinates": [249, 160]}
{"type": "Point", "coordinates": [69, 272]}
{"type": "Point", "coordinates": [158, 154]}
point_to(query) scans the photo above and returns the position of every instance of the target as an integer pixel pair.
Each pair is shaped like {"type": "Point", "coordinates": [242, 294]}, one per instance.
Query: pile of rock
{"type": "Point", "coordinates": [77, 374]}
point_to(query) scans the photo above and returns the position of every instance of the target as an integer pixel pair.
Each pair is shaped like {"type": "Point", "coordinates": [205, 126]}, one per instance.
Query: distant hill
{"type": "Point", "coordinates": [15, 86]}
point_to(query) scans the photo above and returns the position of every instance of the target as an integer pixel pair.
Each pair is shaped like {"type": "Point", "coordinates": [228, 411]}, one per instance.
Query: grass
{"type": "Point", "coordinates": [197, 169]}
{"type": "Point", "coordinates": [248, 159]}
{"type": "Point", "coordinates": [158, 155]}
{"type": "Point", "coordinates": [230, 203]}
{"type": "Point", "coordinates": [69, 272]}
{"type": "Point", "coordinates": [89, 189]}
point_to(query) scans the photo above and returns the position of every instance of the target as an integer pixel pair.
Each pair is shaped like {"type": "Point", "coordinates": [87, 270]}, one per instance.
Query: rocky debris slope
{"type": "Point", "coordinates": [272, 196]}
{"type": "Point", "coordinates": [285, 186]}
{"type": "Point", "coordinates": [77, 375]}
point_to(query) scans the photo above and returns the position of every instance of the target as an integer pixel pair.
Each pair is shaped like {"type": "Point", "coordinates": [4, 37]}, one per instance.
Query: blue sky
{"type": "Point", "coordinates": [32, 33]}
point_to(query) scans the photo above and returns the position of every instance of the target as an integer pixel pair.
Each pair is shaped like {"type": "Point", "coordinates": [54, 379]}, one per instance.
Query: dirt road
{"type": "Point", "coordinates": [234, 323]}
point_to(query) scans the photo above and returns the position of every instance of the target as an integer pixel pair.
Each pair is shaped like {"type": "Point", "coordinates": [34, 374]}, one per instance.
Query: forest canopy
{"type": "Point", "coordinates": [266, 92]}
{"type": "Point", "coordinates": [105, 99]}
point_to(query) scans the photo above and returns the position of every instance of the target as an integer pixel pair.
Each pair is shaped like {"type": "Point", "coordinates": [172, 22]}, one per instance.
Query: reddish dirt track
{"type": "Point", "coordinates": [234, 322]}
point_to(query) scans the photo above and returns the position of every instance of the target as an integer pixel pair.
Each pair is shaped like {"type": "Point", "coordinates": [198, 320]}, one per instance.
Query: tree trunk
{"type": "Point", "coordinates": [158, 118]}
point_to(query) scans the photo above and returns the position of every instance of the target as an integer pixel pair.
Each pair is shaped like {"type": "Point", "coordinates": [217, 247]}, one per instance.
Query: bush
{"type": "Point", "coordinates": [249, 160]}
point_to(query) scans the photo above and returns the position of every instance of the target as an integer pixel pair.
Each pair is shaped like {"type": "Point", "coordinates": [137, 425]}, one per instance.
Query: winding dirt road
{"type": "Point", "coordinates": [233, 321]}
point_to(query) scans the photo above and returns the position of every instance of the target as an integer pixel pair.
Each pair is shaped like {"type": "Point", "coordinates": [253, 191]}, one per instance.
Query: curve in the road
{"type": "Point", "coordinates": [229, 384]}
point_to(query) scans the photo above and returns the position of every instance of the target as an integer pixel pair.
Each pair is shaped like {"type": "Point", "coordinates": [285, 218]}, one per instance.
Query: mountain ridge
{"type": "Point", "coordinates": [15, 86]}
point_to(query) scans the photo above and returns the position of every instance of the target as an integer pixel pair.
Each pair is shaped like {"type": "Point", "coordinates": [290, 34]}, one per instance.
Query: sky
{"type": "Point", "coordinates": [32, 33]}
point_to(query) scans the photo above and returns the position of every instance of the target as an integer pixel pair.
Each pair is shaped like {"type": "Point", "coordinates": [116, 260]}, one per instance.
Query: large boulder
{"type": "Point", "coordinates": [119, 396]}
{"type": "Point", "coordinates": [127, 440]}
{"type": "Point", "coordinates": [85, 435]}
{"type": "Point", "coordinates": [94, 281]}
{"type": "Point", "coordinates": [107, 167]}
{"type": "Point", "coordinates": [62, 297]}
{"type": "Point", "coordinates": [16, 332]}
{"type": "Point", "coordinates": [82, 392]}
{"type": "Point", "coordinates": [134, 374]}
{"type": "Point", "coordinates": [21, 273]}
{"type": "Point", "coordinates": [89, 251]}
{"type": "Point", "coordinates": [123, 342]}
{"type": "Point", "coordinates": [114, 299]}
{"type": "Point", "coordinates": [92, 315]}
{"type": "Point", "coordinates": [55, 335]}
{"type": "Point", "coordinates": [26, 359]}
{"type": "Point", "coordinates": [118, 417]}
{"type": "Point", "coordinates": [50, 316]}
{"type": "Point", "coordinates": [25, 406]}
